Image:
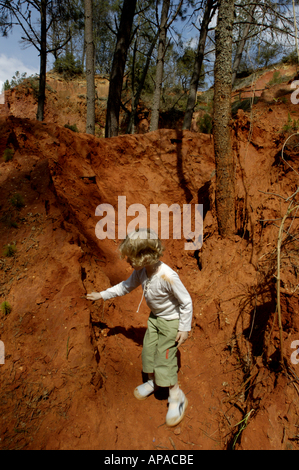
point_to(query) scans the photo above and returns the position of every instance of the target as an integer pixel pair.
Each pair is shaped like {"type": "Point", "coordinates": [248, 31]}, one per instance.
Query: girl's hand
{"type": "Point", "coordinates": [94, 296]}
{"type": "Point", "coordinates": [181, 337]}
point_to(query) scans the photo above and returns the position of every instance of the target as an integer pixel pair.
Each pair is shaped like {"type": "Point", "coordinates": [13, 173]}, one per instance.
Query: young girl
{"type": "Point", "coordinates": [169, 321]}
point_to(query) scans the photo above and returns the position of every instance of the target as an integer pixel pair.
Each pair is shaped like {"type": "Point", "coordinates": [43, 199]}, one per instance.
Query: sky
{"type": "Point", "coordinates": [13, 57]}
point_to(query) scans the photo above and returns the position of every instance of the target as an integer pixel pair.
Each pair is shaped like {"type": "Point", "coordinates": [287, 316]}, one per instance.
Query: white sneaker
{"type": "Point", "coordinates": [176, 409]}
{"type": "Point", "coordinates": [144, 390]}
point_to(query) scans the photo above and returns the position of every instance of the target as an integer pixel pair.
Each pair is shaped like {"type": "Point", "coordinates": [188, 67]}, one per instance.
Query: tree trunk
{"type": "Point", "coordinates": [225, 184]}
{"type": "Point", "coordinates": [136, 97]}
{"type": "Point", "coordinates": [90, 95]}
{"type": "Point", "coordinates": [43, 62]}
{"type": "Point", "coordinates": [241, 45]}
{"type": "Point", "coordinates": [192, 98]}
{"type": "Point", "coordinates": [160, 66]}
{"type": "Point", "coordinates": [84, 51]}
{"type": "Point", "coordinates": [118, 67]}
{"type": "Point", "coordinates": [131, 125]}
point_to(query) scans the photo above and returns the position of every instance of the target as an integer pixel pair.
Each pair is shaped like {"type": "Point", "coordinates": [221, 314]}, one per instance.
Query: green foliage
{"type": "Point", "coordinates": [205, 124]}
{"type": "Point", "coordinates": [33, 84]}
{"type": "Point", "coordinates": [8, 154]}
{"type": "Point", "coordinates": [17, 79]}
{"type": "Point", "coordinates": [205, 101]}
{"type": "Point", "coordinates": [72, 127]}
{"type": "Point", "coordinates": [68, 66]}
{"type": "Point", "coordinates": [17, 201]}
{"type": "Point", "coordinates": [5, 308]}
{"type": "Point", "coordinates": [6, 85]}
{"type": "Point", "coordinates": [291, 59]}
{"type": "Point", "coordinates": [13, 224]}
{"type": "Point", "coordinates": [9, 250]}
{"type": "Point", "coordinates": [184, 67]}
{"type": "Point", "coordinates": [30, 83]}
{"type": "Point", "coordinates": [241, 426]}
{"type": "Point", "coordinates": [277, 78]}
{"type": "Point", "coordinates": [105, 16]}
{"type": "Point", "coordinates": [291, 125]}
{"type": "Point", "coordinates": [8, 220]}
{"type": "Point", "coordinates": [267, 54]}
{"type": "Point", "coordinates": [245, 104]}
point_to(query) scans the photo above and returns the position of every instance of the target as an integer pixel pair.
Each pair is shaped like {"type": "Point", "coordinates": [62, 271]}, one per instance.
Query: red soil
{"type": "Point", "coordinates": [71, 365]}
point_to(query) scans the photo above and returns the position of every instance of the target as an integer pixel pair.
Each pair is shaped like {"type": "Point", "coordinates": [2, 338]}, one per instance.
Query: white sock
{"type": "Point", "coordinates": [149, 385]}
{"type": "Point", "coordinates": [174, 391]}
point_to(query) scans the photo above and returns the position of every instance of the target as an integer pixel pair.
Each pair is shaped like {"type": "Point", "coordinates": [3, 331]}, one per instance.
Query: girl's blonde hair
{"type": "Point", "coordinates": [142, 246]}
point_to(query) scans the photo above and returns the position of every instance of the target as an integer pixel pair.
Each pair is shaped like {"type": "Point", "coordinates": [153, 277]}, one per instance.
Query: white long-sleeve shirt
{"type": "Point", "coordinates": [164, 293]}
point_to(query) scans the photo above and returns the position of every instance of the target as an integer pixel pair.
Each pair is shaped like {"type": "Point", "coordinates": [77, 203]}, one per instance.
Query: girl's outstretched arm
{"type": "Point", "coordinates": [94, 296]}
{"type": "Point", "coordinates": [118, 290]}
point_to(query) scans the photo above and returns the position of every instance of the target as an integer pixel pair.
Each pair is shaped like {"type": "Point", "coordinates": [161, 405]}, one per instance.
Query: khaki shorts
{"type": "Point", "coordinates": [159, 354]}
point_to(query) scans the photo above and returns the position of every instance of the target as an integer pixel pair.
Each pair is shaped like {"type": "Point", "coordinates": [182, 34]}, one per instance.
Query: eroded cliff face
{"type": "Point", "coordinates": [71, 365]}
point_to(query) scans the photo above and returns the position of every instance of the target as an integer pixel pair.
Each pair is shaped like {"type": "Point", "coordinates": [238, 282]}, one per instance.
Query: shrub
{"type": "Point", "coordinates": [17, 79]}
{"type": "Point", "coordinates": [205, 124]}
{"type": "Point", "coordinates": [31, 83]}
{"type": "Point", "coordinates": [283, 100]}
{"type": "Point", "coordinates": [5, 308]}
{"type": "Point", "coordinates": [8, 154]}
{"type": "Point", "coordinates": [17, 201]}
{"type": "Point", "coordinates": [68, 66]}
{"type": "Point", "coordinates": [9, 250]}
{"type": "Point", "coordinates": [244, 104]}
{"type": "Point", "coordinates": [8, 220]}
{"type": "Point", "coordinates": [291, 125]}
{"type": "Point", "coordinates": [72, 127]}
{"type": "Point", "coordinates": [277, 79]}
{"type": "Point", "coordinates": [291, 58]}
{"type": "Point", "coordinates": [6, 85]}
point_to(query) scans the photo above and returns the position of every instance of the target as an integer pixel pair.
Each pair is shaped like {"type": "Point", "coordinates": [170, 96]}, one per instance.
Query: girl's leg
{"type": "Point", "coordinates": [148, 358]}
{"type": "Point", "coordinates": [150, 342]}
{"type": "Point", "coordinates": [166, 368]}
{"type": "Point", "coordinates": [173, 390]}
{"type": "Point", "coordinates": [166, 363]}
